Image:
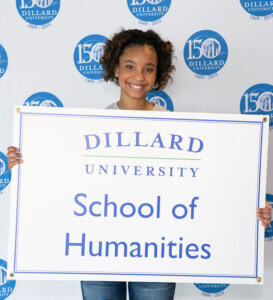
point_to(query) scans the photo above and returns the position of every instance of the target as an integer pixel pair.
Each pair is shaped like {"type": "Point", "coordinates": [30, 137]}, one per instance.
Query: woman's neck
{"type": "Point", "coordinates": [141, 104]}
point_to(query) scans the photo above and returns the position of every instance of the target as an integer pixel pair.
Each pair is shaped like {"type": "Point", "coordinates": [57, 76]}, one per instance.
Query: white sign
{"type": "Point", "coordinates": [138, 196]}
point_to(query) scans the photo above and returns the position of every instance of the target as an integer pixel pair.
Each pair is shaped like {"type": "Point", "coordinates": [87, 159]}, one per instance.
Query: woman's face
{"type": "Point", "coordinates": [137, 71]}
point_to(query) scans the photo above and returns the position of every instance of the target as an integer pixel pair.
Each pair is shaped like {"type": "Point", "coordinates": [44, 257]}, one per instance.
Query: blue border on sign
{"type": "Point", "coordinates": [255, 275]}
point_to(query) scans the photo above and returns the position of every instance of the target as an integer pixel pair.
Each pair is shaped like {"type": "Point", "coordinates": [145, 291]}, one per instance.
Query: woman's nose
{"type": "Point", "coordinates": [139, 75]}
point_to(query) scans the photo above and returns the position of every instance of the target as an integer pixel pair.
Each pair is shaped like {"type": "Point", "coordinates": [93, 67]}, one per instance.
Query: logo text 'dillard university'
{"type": "Point", "coordinates": [38, 12]}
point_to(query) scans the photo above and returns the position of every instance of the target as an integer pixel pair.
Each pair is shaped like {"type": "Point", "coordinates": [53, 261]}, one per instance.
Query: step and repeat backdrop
{"type": "Point", "coordinates": [49, 56]}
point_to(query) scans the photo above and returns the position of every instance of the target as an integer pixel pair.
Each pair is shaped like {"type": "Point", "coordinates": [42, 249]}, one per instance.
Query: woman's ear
{"type": "Point", "coordinates": [117, 72]}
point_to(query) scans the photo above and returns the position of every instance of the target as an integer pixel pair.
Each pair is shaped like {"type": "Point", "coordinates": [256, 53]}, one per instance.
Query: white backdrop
{"type": "Point", "coordinates": [41, 60]}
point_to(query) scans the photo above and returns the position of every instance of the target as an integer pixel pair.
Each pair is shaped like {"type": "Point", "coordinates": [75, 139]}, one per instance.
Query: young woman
{"type": "Point", "coordinates": [138, 62]}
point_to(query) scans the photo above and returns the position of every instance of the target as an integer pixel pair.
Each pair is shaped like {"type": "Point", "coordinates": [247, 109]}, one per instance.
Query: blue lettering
{"type": "Point", "coordinates": [103, 168]}
{"type": "Point", "coordinates": [181, 171]}
{"type": "Point", "coordinates": [194, 171]}
{"type": "Point", "coordinates": [91, 209]}
{"type": "Point", "coordinates": [192, 248]}
{"type": "Point", "coordinates": [158, 140]}
{"type": "Point", "coordinates": [120, 140]}
{"type": "Point", "coordinates": [80, 204]}
{"type": "Point", "coordinates": [116, 246]}
{"type": "Point", "coordinates": [88, 144]}
{"type": "Point", "coordinates": [99, 252]}
{"type": "Point", "coordinates": [147, 245]}
{"type": "Point", "coordinates": [130, 205]}
{"type": "Point", "coordinates": [171, 245]}
{"type": "Point", "coordinates": [203, 247]}
{"type": "Point", "coordinates": [138, 170]}
{"type": "Point", "coordinates": [137, 140]}
{"type": "Point", "coordinates": [161, 171]}
{"type": "Point", "coordinates": [107, 140]}
{"type": "Point", "coordinates": [181, 216]}
{"type": "Point", "coordinates": [150, 171]}
{"type": "Point", "coordinates": [106, 204]}
{"type": "Point", "coordinates": [150, 208]}
{"type": "Point", "coordinates": [125, 170]}
{"type": "Point", "coordinates": [137, 250]}
{"type": "Point", "coordinates": [89, 171]}
{"type": "Point", "coordinates": [199, 147]}
{"type": "Point", "coordinates": [68, 244]}
{"type": "Point", "coordinates": [193, 205]}
{"type": "Point", "coordinates": [174, 142]}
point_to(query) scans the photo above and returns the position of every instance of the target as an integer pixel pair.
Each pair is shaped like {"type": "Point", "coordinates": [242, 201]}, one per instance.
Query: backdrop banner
{"type": "Point", "coordinates": [138, 195]}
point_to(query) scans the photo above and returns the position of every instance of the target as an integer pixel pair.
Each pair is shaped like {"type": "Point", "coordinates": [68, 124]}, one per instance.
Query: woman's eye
{"type": "Point", "coordinates": [149, 70]}
{"type": "Point", "coordinates": [130, 67]}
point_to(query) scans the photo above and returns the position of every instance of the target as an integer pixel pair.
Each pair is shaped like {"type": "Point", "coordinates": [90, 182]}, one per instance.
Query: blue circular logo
{"type": "Point", "coordinates": [259, 8]}
{"type": "Point", "coordinates": [38, 12]}
{"type": "Point", "coordinates": [87, 55]}
{"type": "Point", "coordinates": [6, 286]}
{"type": "Point", "coordinates": [258, 100]}
{"type": "Point", "coordinates": [211, 288]}
{"type": "Point", "coordinates": [205, 52]}
{"type": "Point", "coordinates": [5, 173]}
{"type": "Point", "coordinates": [161, 98]}
{"type": "Point", "coordinates": [269, 229]}
{"type": "Point", "coordinates": [3, 61]}
{"type": "Point", "coordinates": [149, 10]}
{"type": "Point", "coordinates": [43, 99]}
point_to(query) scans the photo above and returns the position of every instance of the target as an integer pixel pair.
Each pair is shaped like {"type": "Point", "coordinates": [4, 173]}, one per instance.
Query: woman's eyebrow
{"type": "Point", "coordinates": [150, 64]}
{"type": "Point", "coordinates": [131, 61]}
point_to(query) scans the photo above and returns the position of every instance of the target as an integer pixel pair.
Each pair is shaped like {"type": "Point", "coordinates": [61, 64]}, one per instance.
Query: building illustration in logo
{"type": "Point", "coordinates": [6, 286]}
{"type": "Point", "coordinates": [3, 61]}
{"type": "Point", "coordinates": [3, 276]}
{"type": "Point", "coordinates": [258, 100]}
{"type": "Point", "coordinates": [205, 52]}
{"type": "Point", "coordinates": [5, 173]}
{"type": "Point", "coordinates": [259, 8]}
{"type": "Point", "coordinates": [211, 48]}
{"type": "Point", "coordinates": [269, 229]}
{"type": "Point", "coordinates": [87, 55]}
{"type": "Point", "coordinates": [43, 99]}
{"type": "Point", "coordinates": [149, 10]}
{"type": "Point", "coordinates": [44, 3]}
{"type": "Point", "coordinates": [160, 98]}
{"type": "Point", "coordinates": [38, 12]}
{"type": "Point", "coordinates": [2, 167]}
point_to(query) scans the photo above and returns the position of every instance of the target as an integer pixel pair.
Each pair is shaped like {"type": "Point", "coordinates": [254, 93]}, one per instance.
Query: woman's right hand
{"type": "Point", "coordinates": [14, 157]}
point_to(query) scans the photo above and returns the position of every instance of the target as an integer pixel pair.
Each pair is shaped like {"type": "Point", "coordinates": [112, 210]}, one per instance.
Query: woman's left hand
{"type": "Point", "coordinates": [264, 214]}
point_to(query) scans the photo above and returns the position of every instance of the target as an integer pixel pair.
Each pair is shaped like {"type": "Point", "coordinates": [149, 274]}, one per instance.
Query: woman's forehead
{"type": "Point", "coordinates": [143, 52]}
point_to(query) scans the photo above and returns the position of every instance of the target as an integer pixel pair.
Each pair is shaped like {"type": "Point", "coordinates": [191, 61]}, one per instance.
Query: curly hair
{"type": "Point", "coordinates": [114, 48]}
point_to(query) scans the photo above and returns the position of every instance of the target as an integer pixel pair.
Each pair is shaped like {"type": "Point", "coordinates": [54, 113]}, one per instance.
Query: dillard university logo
{"type": "Point", "coordinates": [5, 173]}
{"type": "Point", "coordinates": [149, 10]}
{"type": "Point", "coordinates": [269, 229]}
{"type": "Point", "coordinates": [261, 8]}
{"type": "Point", "coordinates": [3, 61]}
{"type": "Point", "coordinates": [6, 286]}
{"type": "Point", "coordinates": [161, 98]}
{"type": "Point", "coordinates": [258, 100]}
{"type": "Point", "coordinates": [87, 55]}
{"type": "Point", "coordinates": [205, 53]}
{"type": "Point", "coordinates": [211, 289]}
{"type": "Point", "coordinates": [43, 99]}
{"type": "Point", "coordinates": [38, 12]}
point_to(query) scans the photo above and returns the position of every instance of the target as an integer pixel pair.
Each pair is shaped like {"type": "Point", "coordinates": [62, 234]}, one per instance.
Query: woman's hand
{"type": "Point", "coordinates": [264, 214]}
{"type": "Point", "coordinates": [14, 157]}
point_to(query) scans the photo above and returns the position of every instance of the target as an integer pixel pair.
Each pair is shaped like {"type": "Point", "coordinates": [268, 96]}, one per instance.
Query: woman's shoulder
{"type": "Point", "coordinates": [158, 107]}
{"type": "Point", "coordinates": [113, 106]}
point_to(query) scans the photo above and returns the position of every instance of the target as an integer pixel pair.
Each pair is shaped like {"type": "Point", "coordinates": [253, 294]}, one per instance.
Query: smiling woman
{"type": "Point", "coordinates": [136, 73]}
{"type": "Point", "coordinates": [139, 62]}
